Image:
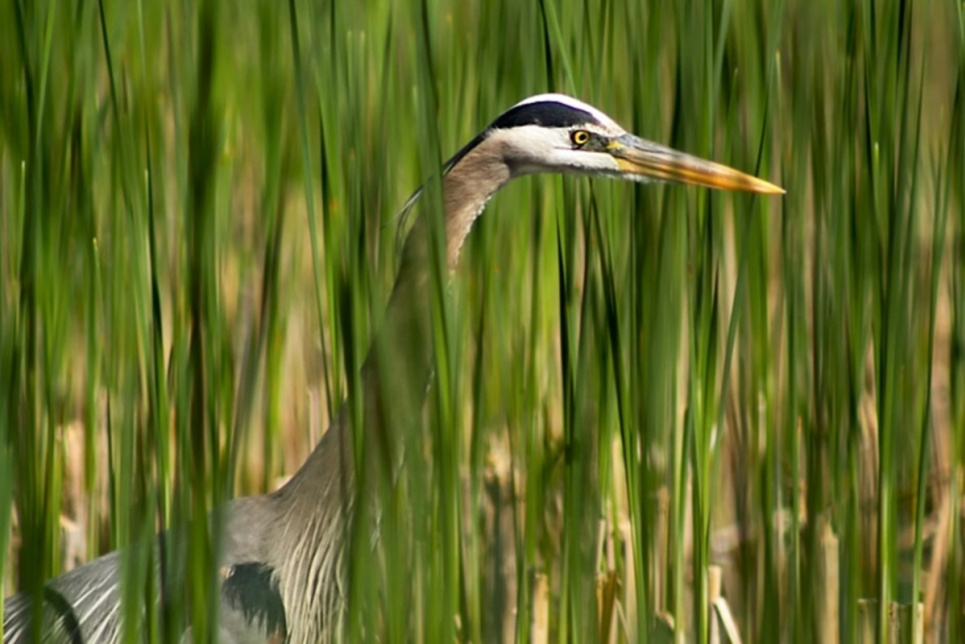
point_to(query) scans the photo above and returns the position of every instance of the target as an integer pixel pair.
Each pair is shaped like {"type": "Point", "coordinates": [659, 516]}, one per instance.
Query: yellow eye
{"type": "Point", "coordinates": [580, 137]}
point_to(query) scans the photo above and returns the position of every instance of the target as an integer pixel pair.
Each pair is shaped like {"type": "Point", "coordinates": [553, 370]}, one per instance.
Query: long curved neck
{"type": "Point", "coordinates": [397, 367]}
{"type": "Point", "coordinates": [317, 507]}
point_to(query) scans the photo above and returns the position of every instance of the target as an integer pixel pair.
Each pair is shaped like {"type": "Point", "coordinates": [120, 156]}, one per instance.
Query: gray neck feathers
{"type": "Point", "coordinates": [316, 506]}
{"type": "Point", "coordinates": [397, 366]}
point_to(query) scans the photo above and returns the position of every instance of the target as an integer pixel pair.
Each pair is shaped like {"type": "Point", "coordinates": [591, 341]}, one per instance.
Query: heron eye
{"type": "Point", "coordinates": [580, 137]}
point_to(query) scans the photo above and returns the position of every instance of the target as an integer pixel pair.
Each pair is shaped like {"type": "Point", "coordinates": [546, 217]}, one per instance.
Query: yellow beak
{"type": "Point", "coordinates": [643, 158]}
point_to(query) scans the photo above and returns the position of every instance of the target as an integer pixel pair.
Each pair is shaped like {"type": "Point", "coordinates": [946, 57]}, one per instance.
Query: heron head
{"type": "Point", "coordinates": [557, 133]}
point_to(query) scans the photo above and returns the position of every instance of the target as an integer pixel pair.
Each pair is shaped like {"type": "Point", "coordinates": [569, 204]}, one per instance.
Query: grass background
{"type": "Point", "coordinates": [635, 385]}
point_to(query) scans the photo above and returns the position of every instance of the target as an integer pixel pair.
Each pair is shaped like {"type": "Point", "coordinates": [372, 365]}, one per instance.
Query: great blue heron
{"type": "Point", "coordinates": [282, 552]}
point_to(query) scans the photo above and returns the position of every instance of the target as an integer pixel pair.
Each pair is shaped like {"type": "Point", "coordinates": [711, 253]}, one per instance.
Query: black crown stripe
{"type": "Point", "coordinates": [544, 113]}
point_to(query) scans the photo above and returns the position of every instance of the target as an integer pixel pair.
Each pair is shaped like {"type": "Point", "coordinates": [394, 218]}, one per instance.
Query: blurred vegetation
{"type": "Point", "coordinates": [638, 388]}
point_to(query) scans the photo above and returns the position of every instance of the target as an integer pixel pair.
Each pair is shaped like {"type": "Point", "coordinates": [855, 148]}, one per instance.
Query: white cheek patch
{"type": "Point", "coordinates": [536, 140]}
{"type": "Point", "coordinates": [536, 135]}
{"type": "Point", "coordinates": [529, 148]}
{"type": "Point", "coordinates": [533, 148]}
{"type": "Point", "coordinates": [581, 162]}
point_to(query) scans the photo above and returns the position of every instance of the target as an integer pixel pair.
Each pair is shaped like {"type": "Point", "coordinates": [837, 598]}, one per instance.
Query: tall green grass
{"type": "Point", "coordinates": [633, 384]}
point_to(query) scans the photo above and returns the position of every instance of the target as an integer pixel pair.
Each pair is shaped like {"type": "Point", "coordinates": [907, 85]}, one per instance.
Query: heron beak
{"type": "Point", "coordinates": [643, 158]}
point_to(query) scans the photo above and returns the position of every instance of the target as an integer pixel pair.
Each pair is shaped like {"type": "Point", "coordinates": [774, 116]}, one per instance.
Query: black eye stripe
{"type": "Point", "coordinates": [551, 114]}
{"type": "Point", "coordinates": [546, 114]}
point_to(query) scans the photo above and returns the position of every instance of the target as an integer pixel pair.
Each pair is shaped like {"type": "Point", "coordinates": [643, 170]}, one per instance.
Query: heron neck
{"type": "Point", "coordinates": [467, 188]}
{"type": "Point", "coordinates": [397, 367]}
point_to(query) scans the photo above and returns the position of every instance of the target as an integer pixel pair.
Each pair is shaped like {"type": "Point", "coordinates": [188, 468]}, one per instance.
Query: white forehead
{"type": "Point", "coordinates": [569, 101]}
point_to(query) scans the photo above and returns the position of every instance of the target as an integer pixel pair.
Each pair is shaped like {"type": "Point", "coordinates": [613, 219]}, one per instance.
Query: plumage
{"type": "Point", "coordinates": [282, 557]}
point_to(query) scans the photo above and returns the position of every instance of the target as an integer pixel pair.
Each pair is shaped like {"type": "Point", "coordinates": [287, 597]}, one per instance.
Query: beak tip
{"type": "Point", "coordinates": [772, 189]}
{"type": "Point", "coordinates": [762, 187]}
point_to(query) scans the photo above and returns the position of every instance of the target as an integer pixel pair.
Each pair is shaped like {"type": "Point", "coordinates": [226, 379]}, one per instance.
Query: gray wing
{"type": "Point", "coordinates": [79, 606]}
{"type": "Point", "coordinates": [84, 604]}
